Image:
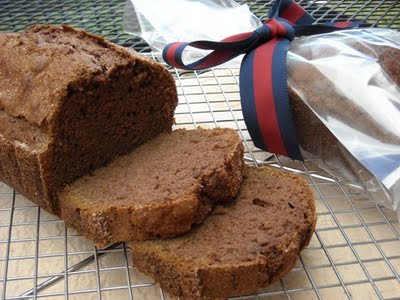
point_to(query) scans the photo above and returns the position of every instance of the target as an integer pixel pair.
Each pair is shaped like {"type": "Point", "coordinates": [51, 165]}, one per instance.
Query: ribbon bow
{"type": "Point", "coordinates": [263, 86]}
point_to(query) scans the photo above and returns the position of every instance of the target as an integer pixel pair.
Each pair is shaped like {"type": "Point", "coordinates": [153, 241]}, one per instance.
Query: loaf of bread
{"type": "Point", "coordinates": [158, 190]}
{"type": "Point", "coordinates": [70, 102]}
{"type": "Point", "coordinates": [241, 247]}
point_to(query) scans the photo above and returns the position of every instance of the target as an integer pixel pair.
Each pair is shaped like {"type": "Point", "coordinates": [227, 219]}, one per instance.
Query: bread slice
{"type": "Point", "coordinates": [240, 248]}
{"type": "Point", "coordinates": [158, 190]}
{"type": "Point", "coordinates": [71, 102]}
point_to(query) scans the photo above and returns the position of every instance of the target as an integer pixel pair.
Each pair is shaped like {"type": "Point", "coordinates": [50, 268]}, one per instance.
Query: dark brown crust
{"type": "Point", "coordinates": [217, 180]}
{"type": "Point", "coordinates": [117, 101]}
{"type": "Point", "coordinates": [199, 265]}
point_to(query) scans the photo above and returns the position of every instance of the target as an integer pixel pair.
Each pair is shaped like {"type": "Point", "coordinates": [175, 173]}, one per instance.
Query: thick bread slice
{"type": "Point", "coordinates": [239, 249]}
{"type": "Point", "coordinates": [160, 189]}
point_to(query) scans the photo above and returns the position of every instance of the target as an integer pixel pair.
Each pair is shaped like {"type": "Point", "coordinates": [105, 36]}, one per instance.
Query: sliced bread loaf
{"type": "Point", "coordinates": [239, 248]}
{"type": "Point", "coordinates": [71, 102]}
{"type": "Point", "coordinates": [160, 189]}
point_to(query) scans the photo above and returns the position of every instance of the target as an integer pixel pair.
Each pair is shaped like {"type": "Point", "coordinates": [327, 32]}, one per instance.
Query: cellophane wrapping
{"type": "Point", "coordinates": [350, 81]}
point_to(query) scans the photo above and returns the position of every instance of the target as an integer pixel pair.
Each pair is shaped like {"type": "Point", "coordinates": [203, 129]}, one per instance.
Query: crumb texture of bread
{"type": "Point", "coordinates": [240, 248]}
{"type": "Point", "coordinates": [70, 102]}
{"type": "Point", "coordinates": [159, 190]}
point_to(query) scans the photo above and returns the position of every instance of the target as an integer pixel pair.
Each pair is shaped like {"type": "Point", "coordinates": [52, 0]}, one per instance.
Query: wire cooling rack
{"type": "Point", "coordinates": [354, 253]}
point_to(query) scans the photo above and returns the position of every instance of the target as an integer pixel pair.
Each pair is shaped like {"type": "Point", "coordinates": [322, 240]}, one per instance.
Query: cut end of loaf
{"type": "Point", "coordinates": [79, 102]}
{"type": "Point", "coordinates": [239, 248]}
{"type": "Point", "coordinates": [159, 190]}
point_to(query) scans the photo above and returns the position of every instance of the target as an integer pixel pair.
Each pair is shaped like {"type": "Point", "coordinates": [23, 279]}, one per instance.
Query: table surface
{"type": "Point", "coordinates": [354, 253]}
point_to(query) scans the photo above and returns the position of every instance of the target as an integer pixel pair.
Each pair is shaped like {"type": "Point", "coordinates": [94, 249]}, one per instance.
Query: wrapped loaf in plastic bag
{"type": "Point", "coordinates": [344, 89]}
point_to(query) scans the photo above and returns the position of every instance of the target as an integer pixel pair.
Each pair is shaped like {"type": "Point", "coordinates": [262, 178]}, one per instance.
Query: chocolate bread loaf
{"type": "Point", "coordinates": [70, 102]}
{"type": "Point", "coordinates": [159, 189]}
{"type": "Point", "coordinates": [241, 247]}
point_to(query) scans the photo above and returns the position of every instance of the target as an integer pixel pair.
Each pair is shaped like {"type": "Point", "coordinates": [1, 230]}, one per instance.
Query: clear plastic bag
{"type": "Point", "coordinates": [161, 22]}
{"type": "Point", "coordinates": [350, 80]}
{"type": "Point", "coordinates": [344, 86]}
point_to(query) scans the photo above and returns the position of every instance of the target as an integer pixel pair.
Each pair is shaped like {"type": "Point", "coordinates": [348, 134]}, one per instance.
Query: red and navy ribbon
{"type": "Point", "coordinates": [263, 86]}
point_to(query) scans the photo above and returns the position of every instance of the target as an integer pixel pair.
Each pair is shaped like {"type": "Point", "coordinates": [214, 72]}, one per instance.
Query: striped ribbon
{"type": "Point", "coordinates": [263, 85]}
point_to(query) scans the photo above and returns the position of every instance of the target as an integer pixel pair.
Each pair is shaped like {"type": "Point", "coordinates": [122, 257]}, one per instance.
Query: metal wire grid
{"type": "Point", "coordinates": [353, 254]}
{"type": "Point", "coordinates": [376, 13]}
{"type": "Point", "coordinates": [104, 17]}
